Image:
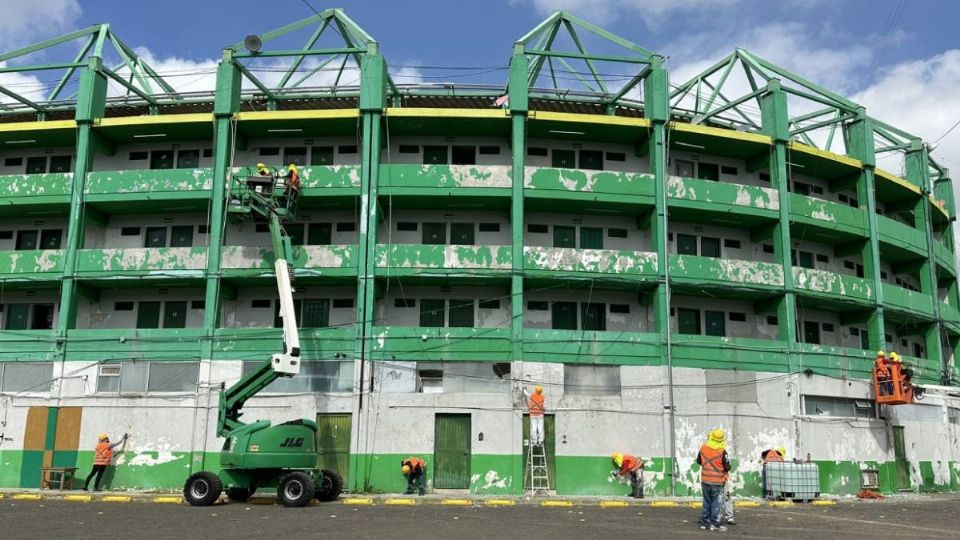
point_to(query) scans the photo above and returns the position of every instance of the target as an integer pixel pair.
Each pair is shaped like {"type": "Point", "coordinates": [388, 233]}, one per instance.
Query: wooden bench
{"type": "Point", "coordinates": [53, 475]}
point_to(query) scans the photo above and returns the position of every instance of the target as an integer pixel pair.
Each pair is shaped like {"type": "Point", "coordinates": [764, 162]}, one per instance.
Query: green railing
{"type": "Point", "coordinates": [308, 260]}
{"type": "Point", "coordinates": [259, 343]}
{"type": "Point", "coordinates": [33, 189]}
{"type": "Point", "coordinates": [694, 269]}
{"type": "Point", "coordinates": [30, 265]}
{"type": "Point", "coordinates": [828, 215]}
{"type": "Point", "coordinates": [155, 181]}
{"type": "Point", "coordinates": [820, 282]}
{"type": "Point", "coordinates": [158, 344]}
{"type": "Point", "coordinates": [589, 261]}
{"type": "Point", "coordinates": [400, 258]}
{"type": "Point", "coordinates": [904, 236]}
{"type": "Point", "coordinates": [408, 179]}
{"type": "Point", "coordinates": [414, 343]}
{"type": "Point", "coordinates": [150, 262]}
{"type": "Point", "coordinates": [706, 193]}
{"type": "Point", "coordinates": [945, 257]}
{"type": "Point", "coordinates": [590, 347]}
{"type": "Point", "coordinates": [609, 186]}
{"type": "Point", "coordinates": [28, 345]}
{"type": "Point", "coordinates": [905, 300]}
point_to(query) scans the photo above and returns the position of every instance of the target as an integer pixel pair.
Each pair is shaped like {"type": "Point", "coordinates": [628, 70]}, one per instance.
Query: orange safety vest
{"type": "Point", "coordinates": [294, 181]}
{"type": "Point", "coordinates": [883, 372]}
{"type": "Point", "coordinates": [537, 404]}
{"type": "Point", "coordinates": [712, 463]}
{"type": "Point", "coordinates": [772, 455]}
{"type": "Point", "coordinates": [102, 454]}
{"type": "Point", "coordinates": [630, 464]}
{"type": "Point", "coordinates": [414, 462]}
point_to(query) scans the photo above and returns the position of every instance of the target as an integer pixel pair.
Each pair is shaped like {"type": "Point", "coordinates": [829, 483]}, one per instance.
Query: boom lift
{"type": "Point", "coordinates": [260, 455]}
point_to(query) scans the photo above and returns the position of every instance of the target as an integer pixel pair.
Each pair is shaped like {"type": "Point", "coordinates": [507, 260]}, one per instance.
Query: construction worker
{"type": "Point", "coordinates": [882, 370]}
{"type": "Point", "coordinates": [102, 454]}
{"type": "Point", "coordinates": [537, 406]}
{"type": "Point", "coordinates": [414, 469]}
{"type": "Point", "coordinates": [773, 455]}
{"type": "Point", "coordinates": [293, 186]}
{"type": "Point", "coordinates": [632, 465]}
{"type": "Point", "coordinates": [262, 170]}
{"type": "Point", "coordinates": [715, 469]}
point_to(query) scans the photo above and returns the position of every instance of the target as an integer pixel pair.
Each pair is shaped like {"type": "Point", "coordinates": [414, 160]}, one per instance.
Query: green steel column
{"type": "Point", "coordinates": [373, 93]}
{"type": "Point", "coordinates": [657, 110]}
{"type": "Point", "coordinates": [91, 100]}
{"type": "Point", "coordinates": [517, 90]}
{"type": "Point", "coordinates": [775, 120]}
{"type": "Point", "coordinates": [917, 165]}
{"type": "Point", "coordinates": [860, 145]}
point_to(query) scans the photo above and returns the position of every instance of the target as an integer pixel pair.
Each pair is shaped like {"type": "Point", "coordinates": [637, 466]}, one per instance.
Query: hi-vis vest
{"type": "Point", "coordinates": [414, 463]}
{"type": "Point", "coordinates": [102, 454]}
{"type": "Point", "coordinates": [536, 405]}
{"type": "Point", "coordinates": [712, 463]}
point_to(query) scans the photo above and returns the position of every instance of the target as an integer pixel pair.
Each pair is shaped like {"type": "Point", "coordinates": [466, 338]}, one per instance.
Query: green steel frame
{"type": "Point", "coordinates": [535, 57]}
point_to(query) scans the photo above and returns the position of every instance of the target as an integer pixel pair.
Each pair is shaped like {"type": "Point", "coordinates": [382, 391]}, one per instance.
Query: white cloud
{"type": "Point", "coordinates": [28, 21]}
{"type": "Point", "coordinates": [602, 11]}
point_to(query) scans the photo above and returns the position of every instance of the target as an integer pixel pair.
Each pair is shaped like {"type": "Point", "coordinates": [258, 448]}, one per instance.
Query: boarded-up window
{"type": "Point", "coordinates": [26, 376]}
{"type": "Point", "coordinates": [590, 380]}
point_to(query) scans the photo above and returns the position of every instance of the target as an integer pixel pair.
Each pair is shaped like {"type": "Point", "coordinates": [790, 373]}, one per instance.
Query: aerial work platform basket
{"type": "Point", "coordinates": [259, 195]}
{"type": "Point", "coordinates": [893, 388]}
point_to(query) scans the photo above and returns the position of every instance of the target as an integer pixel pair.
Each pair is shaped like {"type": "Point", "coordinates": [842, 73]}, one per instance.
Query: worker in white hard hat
{"type": "Point", "coordinates": [102, 456]}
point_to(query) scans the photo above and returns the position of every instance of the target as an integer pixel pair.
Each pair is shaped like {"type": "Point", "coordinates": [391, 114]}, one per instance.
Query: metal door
{"type": "Point", "coordinates": [591, 238]}
{"type": "Point", "coordinates": [900, 458]}
{"type": "Point", "coordinates": [175, 314]}
{"type": "Point", "coordinates": [564, 236]}
{"type": "Point", "coordinates": [181, 236]}
{"type": "Point", "coordinates": [333, 443]}
{"type": "Point", "coordinates": [434, 233]}
{"type": "Point", "coordinates": [18, 316]}
{"type": "Point", "coordinates": [451, 452]}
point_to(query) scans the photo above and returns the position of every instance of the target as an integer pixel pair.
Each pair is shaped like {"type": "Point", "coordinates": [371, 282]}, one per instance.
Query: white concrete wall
{"type": "Point", "coordinates": [390, 315]}
{"type": "Point", "coordinates": [754, 327]}
{"type": "Point", "coordinates": [10, 151]}
{"type": "Point", "coordinates": [121, 161]}
{"type": "Point", "coordinates": [251, 156]}
{"type": "Point", "coordinates": [111, 236]}
{"type": "Point", "coordinates": [240, 314]}
{"type": "Point", "coordinates": [37, 224]}
{"type": "Point", "coordinates": [102, 315]}
{"type": "Point", "coordinates": [696, 157]}
{"type": "Point", "coordinates": [638, 320]}
{"type": "Point", "coordinates": [245, 233]}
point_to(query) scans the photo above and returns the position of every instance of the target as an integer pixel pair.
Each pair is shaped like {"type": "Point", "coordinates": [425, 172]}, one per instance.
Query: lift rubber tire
{"type": "Point", "coordinates": [239, 494]}
{"type": "Point", "coordinates": [331, 484]}
{"type": "Point", "coordinates": [296, 489]}
{"type": "Point", "coordinates": [202, 489]}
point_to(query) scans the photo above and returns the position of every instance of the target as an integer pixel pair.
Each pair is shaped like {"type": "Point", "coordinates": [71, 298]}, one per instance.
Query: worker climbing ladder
{"type": "Point", "coordinates": [538, 475]}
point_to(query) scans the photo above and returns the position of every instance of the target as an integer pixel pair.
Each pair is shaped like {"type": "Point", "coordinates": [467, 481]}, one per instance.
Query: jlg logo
{"type": "Point", "coordinates": [291, 442]}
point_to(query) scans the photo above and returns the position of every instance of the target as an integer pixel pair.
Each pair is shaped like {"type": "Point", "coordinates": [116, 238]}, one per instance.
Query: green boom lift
{"type": "Point", "coordinates": [260, 455]}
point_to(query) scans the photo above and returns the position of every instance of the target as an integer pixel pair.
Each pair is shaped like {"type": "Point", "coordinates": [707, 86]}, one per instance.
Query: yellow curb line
{"type": "Point", "coordinates": [2, 495]}
{"type": "Point", "coordinates": [557, 504]}
{"type": "Point", "coordinates": [400, 502]}
{"type": "Point", "coordinates": [500, 502]}
{"type": "Point", "coordinates": [456, 502]}
{"type": "Point", "coordinates": [664, 504]}
{"type": "Point", "coordinates": [78, 498]}
{"type": "Point", "coordinates": [116, 498]}
{"type": "Point", "coordinates": [746, 504]}
{"type": "Point", "coordinates": [358, 501]}
{"type": "Point", "coordinates": [614, 504]}
{"type": "Point", "coordinates": [27, 497]}
{"type": "Point", "coordinates": [824, 503]}
{"type": "Point", "coordinates": [695, 505]}
{"type": "Point", "coordinates": [167, 500]}
{"type": "Point", "coordinates": [781, 503]}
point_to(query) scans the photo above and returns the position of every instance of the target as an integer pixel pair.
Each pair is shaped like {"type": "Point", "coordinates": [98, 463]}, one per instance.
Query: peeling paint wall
{"type": "Point", "coordinates": [590, 260]}
{"type": "Point", "coordinates": [103, 315]}
{"type": "Point", "coordinates": [449, 257]}
{"type": "Point", "coordinates": [245, 233]}
{"type": "Point", "coordinates": [726, 270]}
{"type": "Point", "coordinates": [707, 191]}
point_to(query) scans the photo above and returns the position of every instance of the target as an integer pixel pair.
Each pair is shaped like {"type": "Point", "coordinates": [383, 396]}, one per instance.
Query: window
{"type": "Point", "coordinates": [801, 188]}
{"type": "Point", "coordinates": [564, 316]}
{"type": "Point", "coordinates": [827, 327]}
{"type": "Point", "coordinates": [537, 305]}
{"type": "Point", "coordinates": [50, 239]}
{"type": "Point", "coordinates": [188, 159]}
{"type": "Point", "coordinates": [686, 244]}
{"type": "Point", "coordinates": [591, 380]}
{"type": "Point", "coordinates": [537, 151]}
{"type": "Point", "coordinates": [295, 232]}
{"type": "Point", "coordinates": [408, 149]}
{"type": "Point", "coordinates": [619, 308]}
{"type": "Point", "coordinates": [461, 314]}
{"type": "Point", "coordinates": [37, 165]}
{"type": "Point", "coordinates": [591, 238]}
{"type": "Point", "coordinates": [26, 240]}
{"type": "Point", "coordinates": [593, 316]}
{"type": "Point", "coordinates": [434, 234]}
{"type": "Point", "coordinates": [18, 317]}
{"type": "Point", "coordinates": [709, 247]}
{"type": "Point", "coordinates": [727, 169]}
{"type": "Point", "coordinates": [406, 225]}
{"type": "Point", "coordinates": [6, 235]}
{"type": "Point", "coordinates": [139, 156]}
{"type": "Point", "coordinates": [564, 236]}
{"type": "Point", "coordinates": [314, 377]}
{"type": "Point", "coordinates": [60, 164]}
{"type": "Point", "coordinates": [688, 321]}
{"type": "Point", "coordinates": [347, 226]}
{"type": "Point", "coordinates": [432, 313]}
{"type": "Point", "coordinates": [737, 317]}
{"type": "Point", "coordinates": [616, 156]}
{"type": "Point", "coordinates": [918, 350]}
{"type": "Point", "coordinates": [730, 243]}
{"type": "Point", "coordinates": [321, 155]}
{"type": "Point", "coordinates": [174, 314]}
{"type": "Point", "coordinates": [708, 171]}
{"type": "Point", "coordinates": [140, 377]}
{"type": "Point", "coordinates": [684, 168]}
{"type": "Point", "coordinates": [715, 323]}
{"type": "Point", "coordinates": [591, 160]}
{"type": "Point", "coordinates": [404, 302]}
{"type": "Point", "coordinates": [617, 233]}
{"type": "Point", "coordinates": [811, 332]}
{"type": "Point", "coordinates": [772, 320]}
{"type": "Point", "coordinates": [208, 152]}
{"type": "Point", "coordinates": [488, 227]}
{"type": "Point", "coordinates": [823, 258]}
{"type": "Point", "coordinates": [261, 228]}
{"type": "Point", "coordinates": [156, 237]}
{"type": "Point", "coordinates": [297, 309]}
{"type": "Point", "coordinates": [489, 150]}
{"type": "Point", "coordinates": [836, 406]}
{"type": "Point", "coordinates": [123, 306]}
{"type": "Point", "coordinates": [764, 177]}
{"type": "Point", "coordinates": [803, 259]}
{"type": "Point", "coordinates": [26, 376]}
{"type": "Point", "coordinates": [130, 231]}
{"type": "Point", "coordinates": [343, 303]}
{"type": "Point", "coordinates": [260, 304]}
{"type": "Point", "coordinates": [319, 234]}
{"type": "Point", "coordinates": [13, 162]}
{"type": "Point", "coordinates": [564, 159]}
{"type": "Point", "coordinates": [463, 155]}
{"type": "Point", "coordinates": [864, 339]}
{"type": "Point", "coordinates": [768, 248]}
{"type": "Point", "coordinates": [347, 149]}
{"type": "Point", "coordinates": [859, 270]}
{"type": "Point", "coordinates": [42, 317]}
{"type": "Point", "coordinates": [296, 155]}
{"type": "Point", "coordinates": [316, 314]}
{"type": "Point", "coordinates": [534, 228]}
{"type": "Point", "coordinates": [270, 151]}
{"type": "Point", "coordinates": [161, 159]}
{"type": "Point", "coordinates": [488, 304]}
{"type": "Point", "coordinates": [462, 234]}
{"type": "Point", "coordinates": [434, 155]}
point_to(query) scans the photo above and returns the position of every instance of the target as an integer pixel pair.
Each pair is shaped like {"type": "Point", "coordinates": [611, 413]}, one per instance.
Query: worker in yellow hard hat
{"type": "Point", "coordinates": [262, 170]}
{"type": "Point", "coordinates": [629, 465]}
{"type": "Point", "coordinates": [102, 455]}
{"type": "Point", "coordinates": [714, 472]}
{"type": "Point", "coordinates": [895, 358]}
{"type": "Point", "coordinates": [414, 469]}
{"type": "Point", "coordinates": [293, 186]}
{"type": "Point", "coordinates": [881, 369]}
{"type": "Point", "coordinates": [537, 406]}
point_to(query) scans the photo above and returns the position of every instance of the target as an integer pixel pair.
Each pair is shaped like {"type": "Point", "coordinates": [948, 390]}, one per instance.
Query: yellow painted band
{"type": "Point", "coordinates": [410, 112]}
{"type": "Point", "coordinates": [781, 503]}
{"type": "Point", "coordinates": [590, 119]}
{"type": "Point", "coordinates": [116, 498]}
{"type": "Point", "coordinates": [557, 504]}
{"type": "Point", "coordinates": [746, 504]}
{"type": "Point", "coordinates": [719, 132]}
{"type": "Point", "coordinates": [695, 505]}
{"type": "Point", "coordinates": [823, 503]}
{"type": "Point", "coordinates": [27, 497]}
{"type": "Point", "coordinates": [358, 501]}
{"type": "Point", "coordinates": [664, 504]}
{"type": "Point", "coordinates": [614, 504]}
{"type": "Point", "coordinates": [167, 500]}
{"type": "Point", "coordinates": [38, 126]}
{"type": "Point", "coordinates": [500, 502]}
{"type": "Point", "coordinates": [806, 149]}
{"type": "Point", "coordinates": [400, 502]}
{"type": "Point", "coordinates": [78, 498]}
{"type": "Point", "coordinates": [316, 114]}
{"type": "Point", "coordinates": [154, 120]}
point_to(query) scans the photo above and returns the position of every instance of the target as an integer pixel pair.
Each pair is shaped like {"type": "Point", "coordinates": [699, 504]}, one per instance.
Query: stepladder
{"type": "Point", "coordinates": [537, 475]}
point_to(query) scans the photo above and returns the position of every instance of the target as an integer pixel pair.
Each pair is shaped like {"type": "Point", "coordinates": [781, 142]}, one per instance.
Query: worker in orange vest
{"type": "Point", "coordinates": [414, 469]}
{"type": "Point", "coordinates": [715, 469]}
{"type": "Point", "coordinates": [102, 454]}
{"type": "Point", "coordinates": [537, 407]}
{"type": "Point", "coordinates": [632, 465]}
{"type": "Point", "coordinates": [770, 456]}
{"type": "Point", "coordinates": [293, 186]}
{"type": "Point", "coordinates": [883, 373]}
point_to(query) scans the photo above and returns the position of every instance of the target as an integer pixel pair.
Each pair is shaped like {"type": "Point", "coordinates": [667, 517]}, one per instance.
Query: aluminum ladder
{"type": "Point", "coordinates": [538, 475]}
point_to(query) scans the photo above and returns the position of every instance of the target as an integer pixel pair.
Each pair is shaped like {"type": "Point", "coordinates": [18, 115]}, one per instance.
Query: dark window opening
{"type": "Point", "coordinates": [434, 155]}
{"type": "Point", "coordinates": [138, 156]}
{"type": "Point", "coordinates": [434, 234]}
{"type": "Point", "coordinates": [732, 244]}
{"type": "Point", "coordinates": [123, 306]}
{"type": "Point", "coordinates": [591, 160]}
{"type": "Point", "coordinates": [343, 303]}
{"type": "Point", "coordinates": [688, 321]}
{"type": "Point", "coordinates": [619, 308]}
{"type": "Point", "coordinates": [406, 225]}
{"type": "Point", "coordinates": [50, 239]}
{"type": "Point", "coordinates": [320, 234]}
{"type": "Point", "coordinates": [321, 156]}
{"type": "Point", "coordinates": [535, 228]}
{"type": "Point", "coordinates": [296, 155]}
{"type": "Point", "coordinates": [489, 227]}
{"type": "Point", "coordinates": [161, 159]}
{"type": "Point", "coordinates": [270, 151]}
{"type": "Point", "coordinates": [709, 247]}
{"type": "Point", "coordinates": [537, 305]}
{"type": "Point", "coordinates": [37, 165]}
{"type": "Point", "coordinates": [346, 226]}
{"type": "Point", "coordinates": [708, 171]}
{"type": "Point", "coordinates": [727, 169]}
{"type": "Point", "coordinates": [536, 151]}
{"type": "Point", "coordinates": [130, 231]}
{"type": "Point", "coordinates": [60, 164]}
{"type": "Point", "coordinates": [488, 304]}
{"type": "Point", "coordinates": [616, 156]}
{"type": "Point", "coordinates": [564, 159]}
{"type": "Point", "coordinates": [409, 149]}
{"type": "Point", "coordinates": [735, 316]}
{"type": "Point", "coordinates": [715, 323]}
{"type": "Point", "coordinates": [617, 233]}
{"type": "Point", "coordinates": [463, 155]}
{"type": "Point", "coordinates": [405, 302]}
{"type": "Point", "coordinates": [188, 159]}
{"type": "Point", "coordinates": [489, 150]}
{"type": "Point", "coordinates": [462, 234]}
{"type": "Point", "coordinates": [347, 149]}
{"type": "Point", "coordinates": [260, 304]}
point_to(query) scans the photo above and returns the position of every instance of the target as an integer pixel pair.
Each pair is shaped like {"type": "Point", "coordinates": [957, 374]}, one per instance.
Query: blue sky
{"type": "Point", "coordinates": [900, 58]}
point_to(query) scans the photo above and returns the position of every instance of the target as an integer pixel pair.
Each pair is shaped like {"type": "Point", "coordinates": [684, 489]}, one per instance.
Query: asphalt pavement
{"type": "Point", "coordinates": [914, 517]}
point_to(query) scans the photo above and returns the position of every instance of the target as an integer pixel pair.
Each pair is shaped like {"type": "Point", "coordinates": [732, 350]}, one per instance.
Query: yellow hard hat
{"type": "Point", "coordinates": [881, 353]}
{"type": "Point", "coordinates": [717, 435]}
{"type": "Point", "coordinates": [617, 458]}
{"type": "Point", "coordinates": [783, 451]}
{"type": "Point", "coordinates": [261, 166]}
{"type": "Point", "coordinates": [405, 469]}
{"type": "Point", "coordinates": [102, 437]}
{"type": "Point", "coordinates": [292, 167]}
{"type": "Point", "coordinates": [538, 389]}
{"type": "Point", "coordinates": [894, 357]}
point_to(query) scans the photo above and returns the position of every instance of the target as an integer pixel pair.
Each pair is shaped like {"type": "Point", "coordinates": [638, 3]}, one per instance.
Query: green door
{"type": "Point", "coordinates": [320, 234]}
{"type": "Point", "coordinates": [688, 321]}
{"type": "Point", "coordinates": [715, 323]}
{"type": "Point", "coordinates": [181, 236]}
{"type": "Point", "coordinates": [564, 237]}
{"type": "Point", "coordinates": [564, 159]}
{"type": "Point", "coordinates": [811, 332]}
{"type": "Point", "coordinates": [594, 316]}
{"type": "Point", "coordinates": [451, 452]}
{"type": "Point", "coordinates": [461, 234]}
{"type": "Point", "coordinates": [321, 155]}
{"type": "Point", "coordinates": [549, 446]}
{"type": "Point", "coordinates": [591, 238]}
{"type": "Point", "coordinates": [316, 314]}
{"type": "Point", "coordinates": [18, 316]}
{"type": "Point", "coordinates": [564, 315]}
{"type": "Point", "coordinates": [434, 234]}
{"type": "Point", "coordinates": [900, 458]}
{"type": "Point", "coordinates": [591, 159]}
{"type": "Point", "coordinates": [333, 443]}
{"type": "Point", "coordinates": [148, 315]}
{"type": "Point", "coordinates": [434, 155]}
{"type": "Point", "coordinates": [175, 314]}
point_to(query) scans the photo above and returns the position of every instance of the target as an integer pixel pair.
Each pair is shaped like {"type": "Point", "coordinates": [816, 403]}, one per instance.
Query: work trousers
{"type": "Point", "coordinates": [416, 479]}
{"type": "Point", "coordinates": [636, 483]}
{"type": "Point", "coordinates": [727, 506]}
{"type": "Point", "coordinates": [712, 504]}
{"type": "Point", "coordinates": [536, 430]}
{"type": "Point", "coordinates": [97, 470]}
